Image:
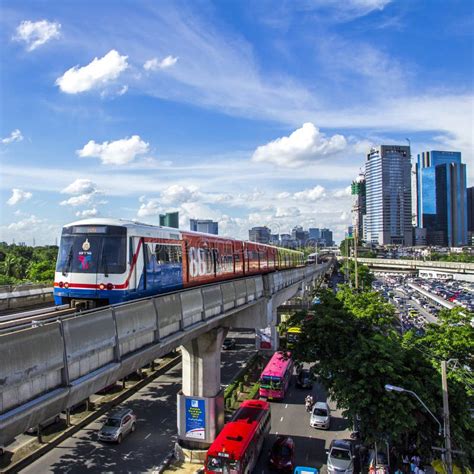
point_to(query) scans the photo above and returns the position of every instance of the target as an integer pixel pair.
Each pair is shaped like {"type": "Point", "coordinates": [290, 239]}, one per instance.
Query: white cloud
{"type": "Point", "coordinates": [76, 201]}
{"type": "Point", "coordinates": [177, 193]}
{"type": "Point", "coordinates": [80, 186]}
{"type": "Point", "coordinates": [119, 152]}
{"type": "Point", "coordinates": [87, 213]}
{"type": "Point", "coordinates": [15, 136]}
{"type": "Point", "coordinates": [287, 212]}
{"type": "Point", "coordinates": [314, 194]}
{"type": "Point", "coordinates": [304, 144]}
{"type": "Point", "coordinates": [339, 193]}
{"type": "Point", "coordinates": [18, 196]}
{"type": "Point", "coordinates": [154, 64]}
{"type": "Point", "coordinates": [37, 33]}
{"type": "Point", "coordinates": [25, 224]}
{"type": "Point", "coordinates": [346, 10]}
{"type": "Point", "coordinates": [152, 207]}
{"type": "Point", "coordinates": [96, 74]}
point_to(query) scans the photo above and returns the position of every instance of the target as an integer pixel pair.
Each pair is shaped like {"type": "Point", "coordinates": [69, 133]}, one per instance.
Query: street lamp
{"type": "Point", "coordinates": [394, 388]}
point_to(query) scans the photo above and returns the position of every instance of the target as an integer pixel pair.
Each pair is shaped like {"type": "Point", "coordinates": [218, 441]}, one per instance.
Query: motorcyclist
{"type": "Point", "coordinates": [309, 402]}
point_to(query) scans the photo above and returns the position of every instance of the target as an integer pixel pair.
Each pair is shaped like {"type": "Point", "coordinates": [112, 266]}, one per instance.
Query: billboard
{"type": "Point", "coordinates": [195, 418]}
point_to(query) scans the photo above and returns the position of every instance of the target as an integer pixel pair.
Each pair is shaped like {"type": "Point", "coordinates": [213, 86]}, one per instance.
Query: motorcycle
{"type": "Point", "coordinates": [308, 405]}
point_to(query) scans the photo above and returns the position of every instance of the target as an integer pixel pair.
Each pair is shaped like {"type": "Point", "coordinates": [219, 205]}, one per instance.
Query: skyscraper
{"type": "Point", "coordinates": [260, 235]}
{"type": "Point", "coordinates": [388, 195]}
{"type": "Point", "coordinates": [170, 219]}
{"type": "Point", "coordinates": [207, 226]}
{"type": "Point", "coordinates": [470, 215]}
{"type": "Point", "coordinates": [441, 197]}
{"type": "Point", "coordinates": [326, 237]}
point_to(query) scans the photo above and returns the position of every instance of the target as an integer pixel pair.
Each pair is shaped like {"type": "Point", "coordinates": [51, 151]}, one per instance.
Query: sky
{"type": "Point", "coordinates": [248, 113]}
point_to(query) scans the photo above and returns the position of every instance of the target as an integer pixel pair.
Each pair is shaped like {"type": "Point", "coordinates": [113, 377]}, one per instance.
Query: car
{"type": "Point", "coordinates": [117, 425]}
{"type": "Point", "coordinates": [320, 416]}
{"type": "Point", "coordinates": [282, 454]}
{"type": "Point", "coordinates": [304, 380]}
{"type": "Point", "coordinates": [229, 343]}
{"type": "Point", "coordinates": [44, 424]}
{"type": "Point", "coordinates": [340, 457]}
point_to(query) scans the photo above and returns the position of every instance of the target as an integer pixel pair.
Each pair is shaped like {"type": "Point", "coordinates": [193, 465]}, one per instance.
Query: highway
{"type": "Point", "coordinates": [146, 449]}
{"type": "Point", "coordinates": [291, 418]}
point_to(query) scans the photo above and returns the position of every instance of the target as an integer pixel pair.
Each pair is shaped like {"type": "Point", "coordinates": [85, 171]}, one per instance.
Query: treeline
{"type": "Point", "coordinates": [19, 264]}
{"type": "Point", "coordinates": [352, 339]}
{"type": "Point", "coordinates": [463, 257]}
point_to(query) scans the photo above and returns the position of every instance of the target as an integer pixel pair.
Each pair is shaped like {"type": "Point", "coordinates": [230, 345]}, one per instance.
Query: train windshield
{"type": "Point", "coordinates": [92, 249]}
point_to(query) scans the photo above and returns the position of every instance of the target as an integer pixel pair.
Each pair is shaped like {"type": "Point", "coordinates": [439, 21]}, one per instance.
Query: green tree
{"type": "Point", "coordinates": [41, 272]}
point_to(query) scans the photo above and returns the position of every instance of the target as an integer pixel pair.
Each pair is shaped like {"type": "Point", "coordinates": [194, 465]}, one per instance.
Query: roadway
{"type": "Point", "coordinates": [146, 449]}
{"type": "Point", "coordinates": [291, 418]}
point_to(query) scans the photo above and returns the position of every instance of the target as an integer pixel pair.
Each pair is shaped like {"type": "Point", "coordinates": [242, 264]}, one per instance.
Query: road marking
{"type": "Point", "coordinates": [276, 432]}
{"type": "Point", "coordinates": [281, 419]}
{"type": "Point", "coordinates": [148, 435]}
{"type": "Point", "coordinates": [286, 406]}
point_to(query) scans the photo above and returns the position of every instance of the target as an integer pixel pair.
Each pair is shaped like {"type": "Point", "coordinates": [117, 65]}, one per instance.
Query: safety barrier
{"type": "Point", "coordinates": [47, 369]}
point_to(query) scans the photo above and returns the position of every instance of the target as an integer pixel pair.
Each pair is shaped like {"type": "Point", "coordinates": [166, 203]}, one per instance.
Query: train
{"type": "Point", "coordinates": [108, 261]}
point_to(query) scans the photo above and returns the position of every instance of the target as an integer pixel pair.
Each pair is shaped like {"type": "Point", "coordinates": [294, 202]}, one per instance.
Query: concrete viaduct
{"type": "Point", "coordinates": [47, 369]}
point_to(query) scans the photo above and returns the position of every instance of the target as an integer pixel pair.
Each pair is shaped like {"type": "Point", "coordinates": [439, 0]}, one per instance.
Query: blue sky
{"type": "Point", "coordinates": [249, 113]}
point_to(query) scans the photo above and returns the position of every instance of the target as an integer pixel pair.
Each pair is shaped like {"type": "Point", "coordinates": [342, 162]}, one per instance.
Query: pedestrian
{"type": "Point", "coordinates": [415, 459]}
{"type": "Point", "coordinates": [406, 463]}
{"type": "Point", "coordinates": [421, 470]}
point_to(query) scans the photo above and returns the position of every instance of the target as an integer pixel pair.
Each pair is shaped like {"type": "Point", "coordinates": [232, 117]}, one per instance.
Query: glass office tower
{"type": "Point", "coordinates": [441, 197]}
{"type": "Point", "coordinates": [388, 196]}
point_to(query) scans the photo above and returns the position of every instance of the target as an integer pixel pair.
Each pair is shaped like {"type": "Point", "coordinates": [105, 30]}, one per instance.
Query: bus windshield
{"type": "Point", "coordinates": [273, 383]}
{"type": "Point", "coordinates": [91, 253]}
{"type": "Point", "coordinates": [220, 464]}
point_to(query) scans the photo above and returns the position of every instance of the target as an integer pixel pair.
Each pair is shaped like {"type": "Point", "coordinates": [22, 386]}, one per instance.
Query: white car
{"type": "Point", "coordinates": [320, 416]}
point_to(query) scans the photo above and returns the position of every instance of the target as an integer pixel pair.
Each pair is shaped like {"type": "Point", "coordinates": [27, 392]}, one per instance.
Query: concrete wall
{"type": "Point", "coordinates": [45, 369]}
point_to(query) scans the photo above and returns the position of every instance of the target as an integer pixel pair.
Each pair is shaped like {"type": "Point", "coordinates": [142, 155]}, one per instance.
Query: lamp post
{"type": "Point", "coordinates": [394, 388]}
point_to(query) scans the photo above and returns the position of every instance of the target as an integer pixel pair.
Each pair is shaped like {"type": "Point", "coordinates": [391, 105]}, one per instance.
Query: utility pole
{"type": "Point", "coordinates": [447, 432]}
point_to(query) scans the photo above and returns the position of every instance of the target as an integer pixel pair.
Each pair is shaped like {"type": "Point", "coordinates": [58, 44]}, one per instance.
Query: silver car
{"type": "Point", "coordinates": [340, 457]}
{"type": "Point", "coordinates": [117, 425]}
{"type": "Point", "coordinates": [320, 416]}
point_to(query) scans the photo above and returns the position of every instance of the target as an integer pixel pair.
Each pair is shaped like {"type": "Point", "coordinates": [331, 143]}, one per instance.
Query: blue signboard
{"type": "Point", "coordinates": [195, 418]}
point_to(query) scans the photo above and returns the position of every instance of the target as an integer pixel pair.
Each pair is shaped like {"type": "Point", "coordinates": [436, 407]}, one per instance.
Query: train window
{"type": "Point", "coordinates": [166, 254]}
{"type": "Point", "coordinates": [114, 255]}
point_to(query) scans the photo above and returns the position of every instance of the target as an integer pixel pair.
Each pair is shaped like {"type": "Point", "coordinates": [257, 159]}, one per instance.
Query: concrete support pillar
{"type": "Point", "coordinates": [201, 401]}
{"type": "Point", "coordinates": [202, 364]}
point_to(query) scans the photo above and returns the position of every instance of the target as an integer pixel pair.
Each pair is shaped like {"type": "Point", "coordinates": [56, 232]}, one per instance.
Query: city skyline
{"type": "Point", "coordinates": [220, 111]}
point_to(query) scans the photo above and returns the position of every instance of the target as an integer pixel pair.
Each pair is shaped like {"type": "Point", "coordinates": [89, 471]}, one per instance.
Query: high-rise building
{"type": "Point", "coordinates": [299, 235]}
{"type": "Point", "coordinates": [441, 197]}
{"type": "Point", "coordinates": [207, 226]}
{"type": "Point", "coordinates": [170, 219]}
{"type": "Point", "coordinates": [260, 235]}
{"type": "Point", "coordinates": [470, 215]}
{"type": "Point", "coordinates": [314, 234]}
{"type": "Point", "coordinates": [326, 237]}
{"type": "Point", "coordinates": [388, 195]}
{"type": "Point", "coordinates": [358, 205]}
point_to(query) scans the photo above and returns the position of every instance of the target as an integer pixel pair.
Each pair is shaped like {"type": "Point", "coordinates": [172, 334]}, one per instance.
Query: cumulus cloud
{"type": "Point", "coordinates": [177, 193]}
{"type": "Point", "coordinates": [25, 224]}
{"type": "Point", "coordinates": [304, 144]}
{"type": "Point", "coordinates": [76, 201]}
{"type": "Point", "coordinates": [152, 207]}
{"type": "Point", "coordinates": [119, 152]}
{"type": "Point", "coordinates": [154, 64]}
{"type": "Point", "coordinates": [18, 196]}
{"type": "Point", "coordinates": [80, 186]}
{"type": "Point", "coordinates": [87, 213]}
{"type": "Point", "coordinates": [15, 136]}
{"type": "Point", "coordinates": [37, 33]}
{"type": "Point", "coordinates": [96, 74]}
{"type": "Point", "coordinates": [287, 212]}
{"type": "Point", "coordinates": [339, 193]}
{"type": "Point", "coordinates": [313, 194]}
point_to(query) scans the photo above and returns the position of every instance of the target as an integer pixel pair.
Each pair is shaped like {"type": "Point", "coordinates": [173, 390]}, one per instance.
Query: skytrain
{"type": "Point", "coordinates": [109, 261]}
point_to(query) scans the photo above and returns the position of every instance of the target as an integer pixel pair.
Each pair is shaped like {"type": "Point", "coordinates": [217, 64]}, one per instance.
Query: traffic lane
{"type": "Point", "coordinates": [155, 407]}
{"type": "Point", "coordinates": [144, 450]}
{"type": "Point", "coordinates": [290, 418]}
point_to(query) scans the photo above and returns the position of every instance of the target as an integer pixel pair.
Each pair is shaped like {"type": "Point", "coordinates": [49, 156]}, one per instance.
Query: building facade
{"type": "Point", "coordinates": [388, 196]}
{"type": "Point", "coordinates": [207, 226]}
{"type": "Point", "coordinates": [470, 215]}
{"type": "Point", "coordinates": [326, 237]}
{"type": "Point", "coordinates": [441, 197]}
{"type": "Point", "coordinates": [170, 219]}
{"type": "Point", "coordinates": [359, 205]}
{"type": "Point", "coordinates": [260, 235]}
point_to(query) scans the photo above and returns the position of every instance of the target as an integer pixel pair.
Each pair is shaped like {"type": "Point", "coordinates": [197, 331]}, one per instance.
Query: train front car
{"type": "Point", "coordinates": [91, 264]}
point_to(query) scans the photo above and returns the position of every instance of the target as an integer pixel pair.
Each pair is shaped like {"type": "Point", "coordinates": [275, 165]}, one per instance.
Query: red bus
{"type": "Point", "coordinates": [276, 376]}
{"type": "Point", "coordinates": [236, 448]}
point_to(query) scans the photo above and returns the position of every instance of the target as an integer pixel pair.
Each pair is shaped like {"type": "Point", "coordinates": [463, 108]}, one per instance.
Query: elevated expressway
{"type": "Point", "coordinates": [430, 269]}
{"type": "Point", "coordinates": [50, 368]}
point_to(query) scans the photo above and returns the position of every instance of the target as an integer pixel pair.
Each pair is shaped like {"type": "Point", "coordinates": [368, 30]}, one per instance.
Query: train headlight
{"type": "Point", "coordinates": [101, 286]}
{"type": "Point", "coordinates": [110, 286]}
